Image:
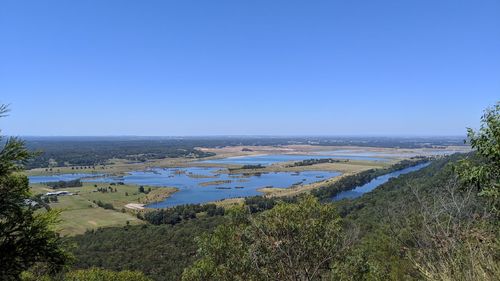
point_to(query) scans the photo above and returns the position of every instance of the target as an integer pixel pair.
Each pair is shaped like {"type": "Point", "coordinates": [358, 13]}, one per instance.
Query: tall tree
{"type": "Point", "coordinates": [26, 238]}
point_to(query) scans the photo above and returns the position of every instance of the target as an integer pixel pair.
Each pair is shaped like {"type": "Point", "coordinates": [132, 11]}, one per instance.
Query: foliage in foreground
{"type": "Point", "coordinates": [289, 242]}
{"type": "Point", "coordinates": [460, 234]}
{"type": "Point", "coordinates": [26, 238]}
{"type": "Point", "coordinates": [92, 274]}
{"type": "Point", "coordinates": [484, 174]}
{"type": "Point", "coordinates": [435, 224]}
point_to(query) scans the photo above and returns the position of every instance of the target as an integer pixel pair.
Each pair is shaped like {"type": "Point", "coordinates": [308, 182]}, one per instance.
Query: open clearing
{"type": "Point", "coordinates": [79, 212]}
{"type": "Point", "coordinates": [79, 215]}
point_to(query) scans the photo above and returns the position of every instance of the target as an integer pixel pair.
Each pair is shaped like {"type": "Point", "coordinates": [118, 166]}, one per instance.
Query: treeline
{"type": "Point", "coordinates": [64, 184]}
{"type": "Point", "coordinates": [256, 204]}
{"type": "Point", "coordinates": [247, 167]}
{"type": "Point", "coordinates": [423, 179]}
{"type": "Point", "coordinates": [180, 213]}
{"type": "Point", "coordinates": [310, 162]}
{"type": "Point", "coordinates": [97, 151]}
{"type": "Point", "coordinates": [325, 193]}
{"type": "Point", "coordinates": [81, 152]}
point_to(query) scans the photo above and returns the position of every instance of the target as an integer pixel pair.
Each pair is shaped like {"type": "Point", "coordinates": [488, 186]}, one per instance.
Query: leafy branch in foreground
{"type": "Point", "coordinates": [484, 173]}
{"type": "Point", "coordinates": [456, 230]}
{"type": "Point", "coordinates": [289, 242]}
{"type": "Point", "coordinates": [26, 238]}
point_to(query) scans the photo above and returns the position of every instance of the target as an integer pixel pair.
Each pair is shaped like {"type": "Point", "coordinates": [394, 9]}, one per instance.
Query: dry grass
{"type": "Point", "coordinates": [157, 195]}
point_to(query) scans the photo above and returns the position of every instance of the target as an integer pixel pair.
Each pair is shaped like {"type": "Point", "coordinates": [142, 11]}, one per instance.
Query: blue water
{"type": "Point", "coordinates": [191, 192]}
{"type": "Point", "coordinates": [61, 177]}
{"type": "Point", "coordinates": [277, 158]}
{"type": "Point", "coordinates": [376, 182]}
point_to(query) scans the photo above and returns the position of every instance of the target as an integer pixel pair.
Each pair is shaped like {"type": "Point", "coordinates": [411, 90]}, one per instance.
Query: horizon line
{"type": "Point", "coordinates": [245, 135]}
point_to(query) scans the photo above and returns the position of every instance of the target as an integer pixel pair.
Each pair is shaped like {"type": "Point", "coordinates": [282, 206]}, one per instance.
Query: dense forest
{"type": "Point", "coordinates": [161, 252]}
{"type": "Point", "coordinates": [181, 213]}
{"type": "Point", "coordinates": [75, 152]}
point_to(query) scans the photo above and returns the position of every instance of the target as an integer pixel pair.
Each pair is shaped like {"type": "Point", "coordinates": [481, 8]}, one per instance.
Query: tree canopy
{"type": "Point", "coordinates": [484, 173]}
{"type": "Point", "coordinates": [289, 242]}
{"type": "Point", "coordinates": [26, 238]}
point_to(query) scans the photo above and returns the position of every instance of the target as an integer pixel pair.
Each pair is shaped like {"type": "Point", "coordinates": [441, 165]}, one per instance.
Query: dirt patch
{"type": "Point", "coordinates": [135, 206]}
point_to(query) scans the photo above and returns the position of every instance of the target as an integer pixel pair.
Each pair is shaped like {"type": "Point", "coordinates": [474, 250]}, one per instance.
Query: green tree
{"type": "Point", "coordinates": [485, 173]}
{"type": "Point", "coordinates": [459, 234]}
{"type": "Point", "coordinates": [289, 242]}
{"type": "Point", "coordinates": [25, 238]}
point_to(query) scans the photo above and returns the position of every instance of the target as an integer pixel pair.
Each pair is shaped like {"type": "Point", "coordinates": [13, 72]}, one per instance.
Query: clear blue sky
{"type": "Point", "coordinates": [412, 67]}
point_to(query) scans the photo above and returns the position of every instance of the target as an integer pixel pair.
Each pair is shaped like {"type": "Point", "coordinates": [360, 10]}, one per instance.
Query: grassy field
{"type": "Point", "coordinates": [79, 215]}
{"type": "Point", "coordinates": [79, 212]}
{"type": "Point", "coordinates": [124, 194]}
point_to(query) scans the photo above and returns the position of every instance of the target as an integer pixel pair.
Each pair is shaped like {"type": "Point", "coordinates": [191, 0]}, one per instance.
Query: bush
{"type": "Point", "coordinates": [65, 184]}
{"type": "Point", "coordinates": [107, 206]}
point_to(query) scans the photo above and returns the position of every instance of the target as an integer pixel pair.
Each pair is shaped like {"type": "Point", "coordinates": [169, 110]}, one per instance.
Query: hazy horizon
{"type": "Point", "coordinates": [243, 136]}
